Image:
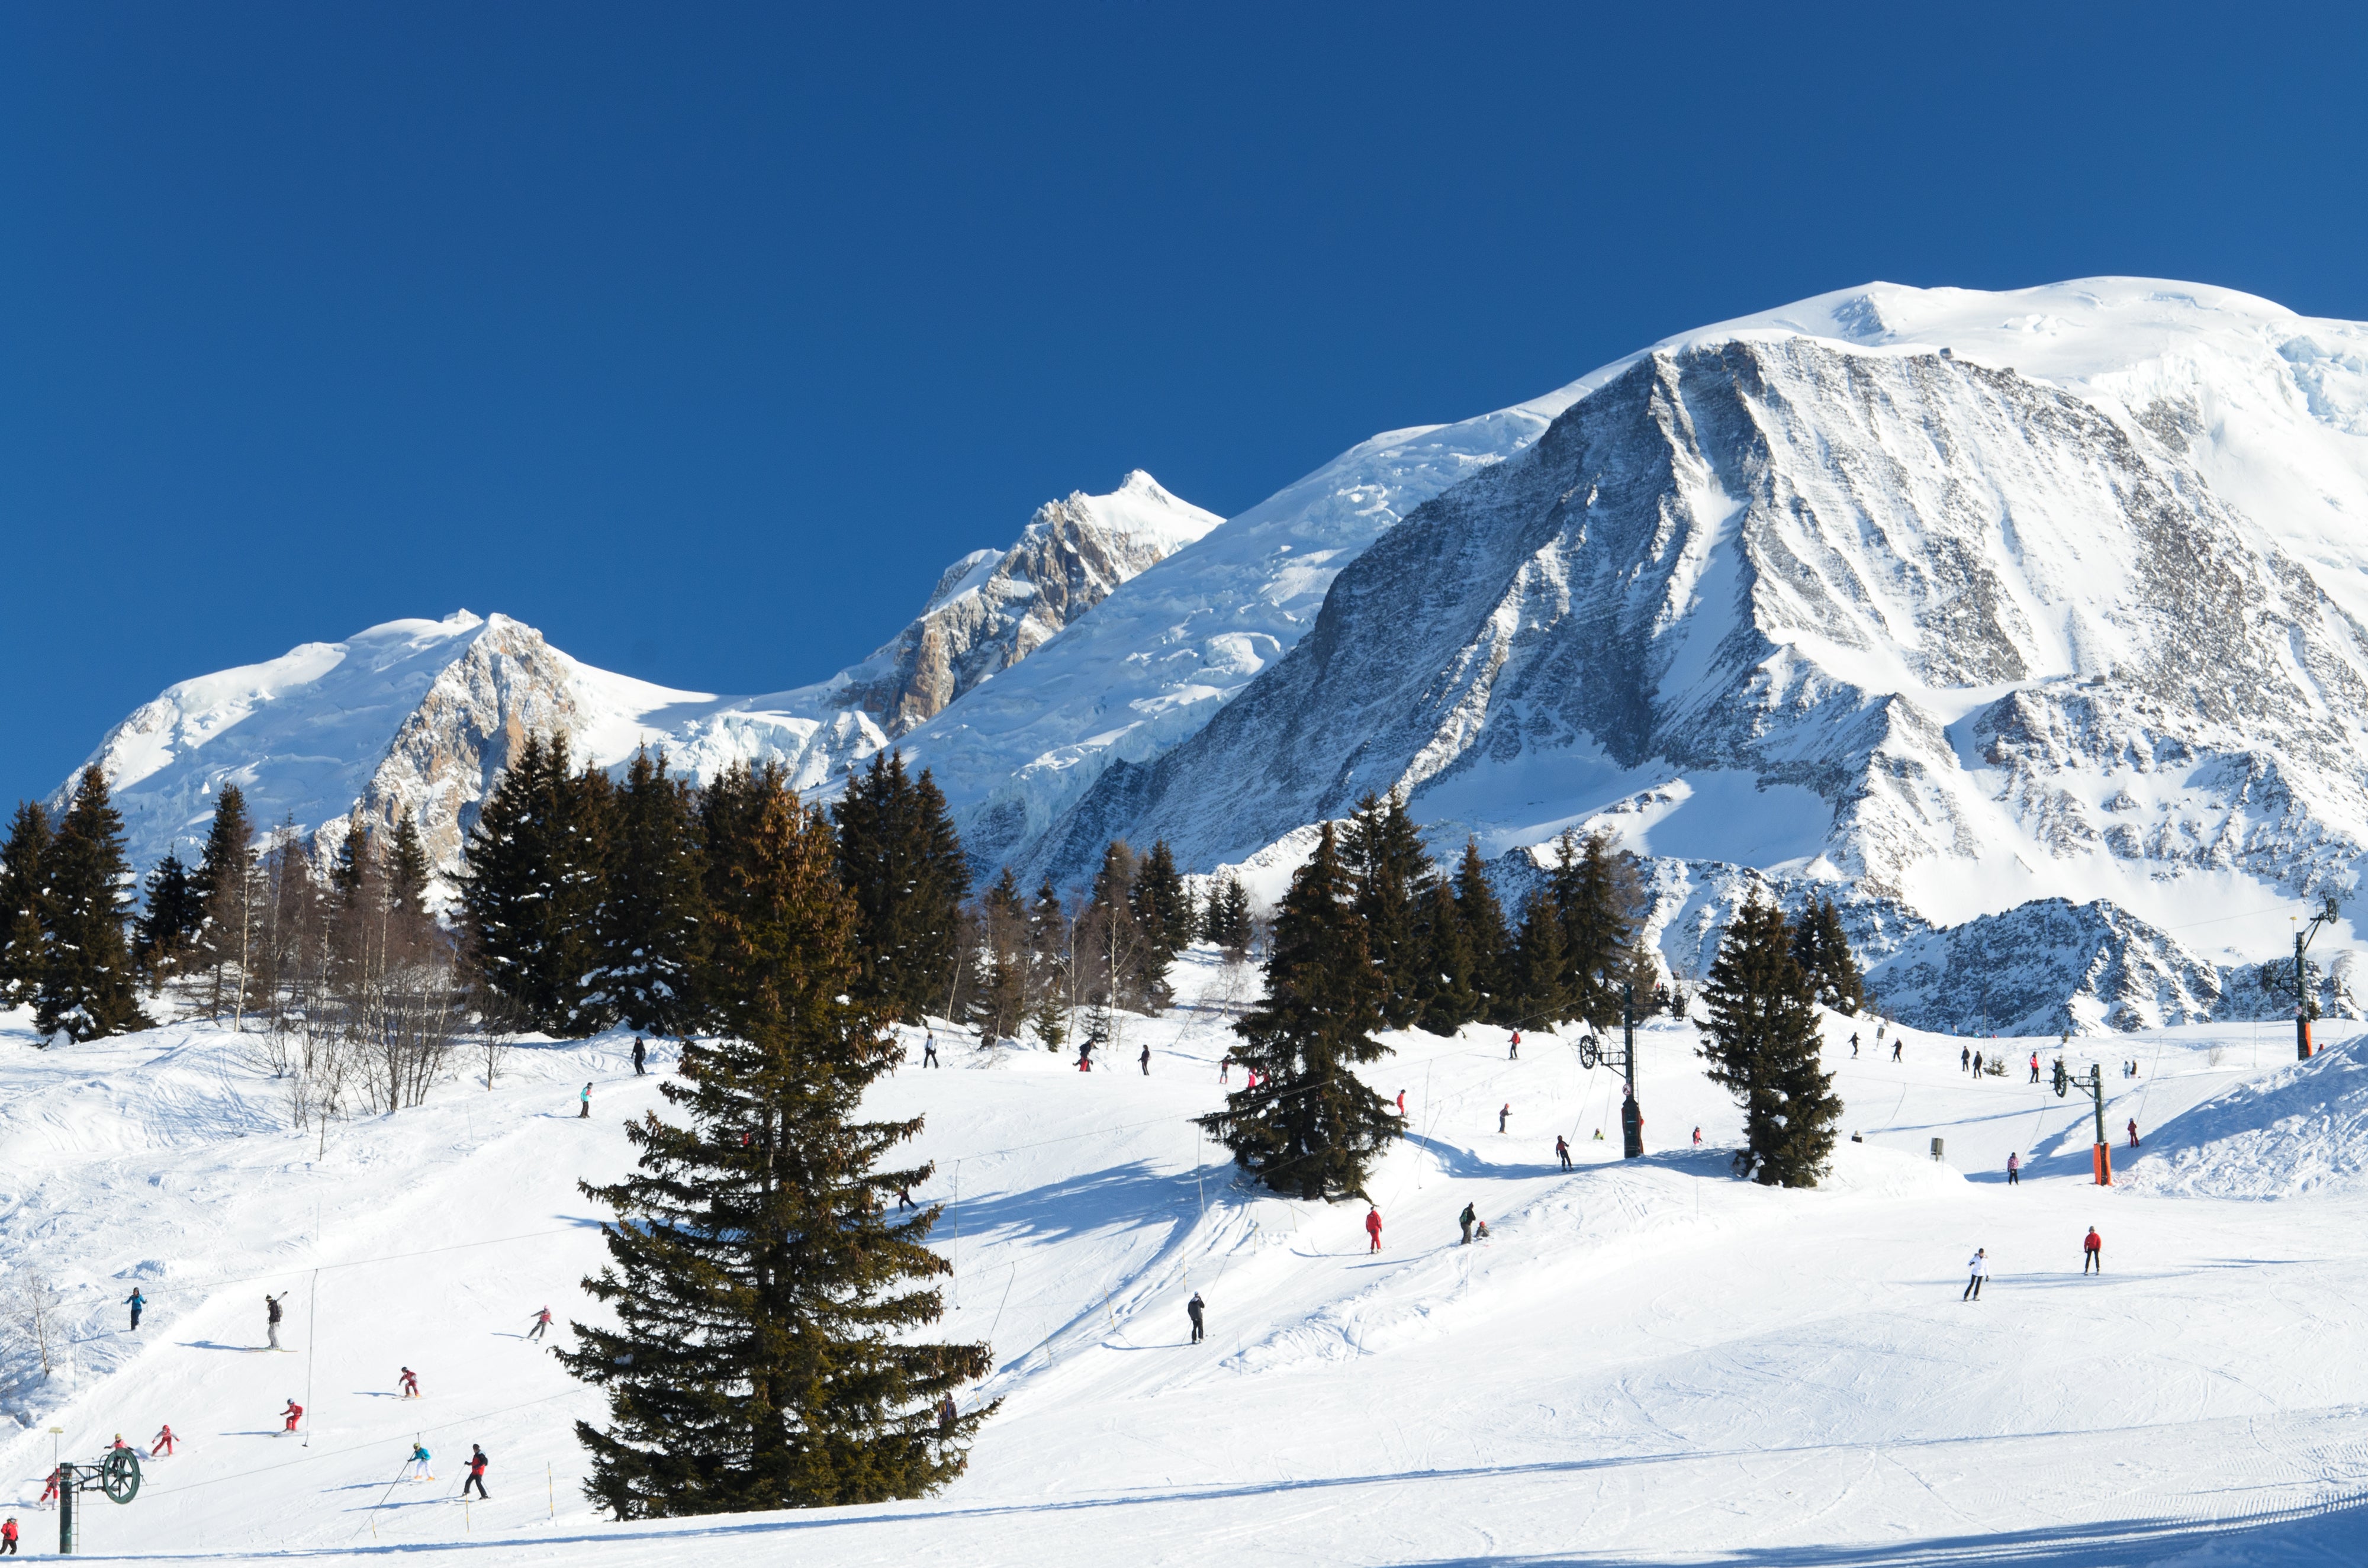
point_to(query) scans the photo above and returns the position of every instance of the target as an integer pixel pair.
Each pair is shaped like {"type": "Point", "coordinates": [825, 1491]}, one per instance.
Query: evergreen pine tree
{"type": "Point", "coordinates": [900, 858]}
{"type": "Point", "coordinates": [1446, 992]}
{"type": "Point", "coordinates": [1162, 907]}
{"type": "Point", "coordinates": [1762, 1045]}
{"type": "Point", "coordinates": [652, 922]}
{"type": "Point", "coordinates": [1384, 855]}
{"type": "Point", "coordinates": [355, 864]}
{"type": "Point", "coordinates": [1540, 993]}
{"type": "Point", "coordinates": [87, 988]}
{"type": "Point", "coordinates": [1822, 949]}
{"type": "Point", "coordinates": [1595, 888]}
{"type": "Point", "coordinates": [1001, 1006]}
{"type": "Point", "coordinates": [175, 914]}
{"type": "Point", "coordinates": [1482, 920]}
{"type": "Point", "coordinates": [24, 889]}
{"type": "Point", "coordinates": [531, 894]}
{"type": "Point", "coordinates": [1228, 920]}
{"type": "Point", "coordinates": [1311, 1127]}
{"type": "Point", "coordinates": [766, 1305]}
{"type": "Point", "coordinates": [1049, 959]}
{"type": "Point", "coordinates": [225, 884]}
{"type": "Point", "coordinates": [407, 871]}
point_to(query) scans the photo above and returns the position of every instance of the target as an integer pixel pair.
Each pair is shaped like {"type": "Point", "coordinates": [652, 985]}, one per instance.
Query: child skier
{"type": "Point", "coordinates": [294, 1412]}
{"type": "Point", "coordinates": [1374, 1226]}
{"type": "Point", "coordinates": [8, 1537]}
{"type": "Point", "coordinates": [1505, 1114]}
{"type": "Point", "coordinates": [161, 1445]}
{"type": "Point", "coordinates": [1980, 1269]}
{"type": "Point", "coordinates": [138, 1303]}
{"type": "Point", "coordinates": [1561, 1151]}
{"type": "Point", "coordinates": [541, 1321]}
{"type": "Point", "coordinates": [419, 1458]}
{"type": "Point", "coordinates": [408, 1383]}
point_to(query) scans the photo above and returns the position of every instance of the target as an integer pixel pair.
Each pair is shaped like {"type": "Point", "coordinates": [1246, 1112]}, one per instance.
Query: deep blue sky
{"type": "Point", "coordinates": [701, 337]}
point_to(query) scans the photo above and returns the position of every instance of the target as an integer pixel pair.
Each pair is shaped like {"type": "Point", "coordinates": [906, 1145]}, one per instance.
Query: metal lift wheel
{"type": "Point", "coordinates": [119, 1475]}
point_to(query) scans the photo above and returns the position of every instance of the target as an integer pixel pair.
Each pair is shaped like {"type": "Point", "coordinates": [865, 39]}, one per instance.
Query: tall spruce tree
{"type": "Point", "coordinates": [89, 987]}
{"type": "Point", "coordinates": [1051, 964]}
{"type": "Point", "coordinates": [1227, 920]}
{"type": "Point", "coordinates": [1162, 905]}
{"type": "Point", "coordinates": [1311, 1127]}
{"type": "Point", "coordinates": [1542, 986]}
{"type": "Point", "coordinates": [1384, 858]}
{"type": "Point", "coordinates": [531, 896]}
{"type": "Point", "coordinates": [1482, 919]}
{"type": "Point", "coordinates": [1000, 1004]}
{"type": "Point", "coordinates": [24, 889]}
{"type": "Point", "coordinates": [227, 886]}
{"type": "Point", "coordinates": [901, 859]}
{"type": "Point", "coordinates": [1822, 948]}
{"type": "Point", "coordinates": [1595, 888]}
{"type": "Point", "coordinates": [407, 871]}
{"type": "Point", "coordinates": [1762, 1045]}
{"type": "Point", "coordinates": [764, 1355]}
{"type": "Point", "coordinates": [1446, 993]}
{"type": "Point", "coordinates": [651, 925]}
{"type": "Point", "coordinates": [169, 926]}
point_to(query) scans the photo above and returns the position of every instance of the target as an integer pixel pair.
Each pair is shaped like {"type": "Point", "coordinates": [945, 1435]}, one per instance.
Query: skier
{"type": "Point", "coordinates": [138, 1303]}
{"type": "Point", "coordinates": [1194, 1308]}
{"type": "Point", "coordinates": [2034, 1067]}
{"type": "Point", "coordinates": [929, 1051]}
{"type": "Point", "coordinates": [49, 1493]}
{"type": "Point", "coordinates": [2014, 1170]}
{"type": "Point", "coordinates": [1964, 1059]}
{"type": "Point", "coordinates": [8, 1537]}
{"type": "Point", "coordinates": [949, 1414]}
{"type": "Point", "coordinates": [641, 1056]}
{"type": "Point", "coordinates": [1977, 1063]}
{"type": "Point", "coordinates": [1697, 1137]}
{"type": "Point", "coordinates": [1401, 1102]}
{"type": "Point", "coordinates": [1503, 1115]}
{"type": "Point", "coordinates": [541, 1321]}
{"type": "Point", "coordinates": [1469, 1218]}
{"type": "Point", "coordinates": [2134, 1144]}
{"type": "Point", "coordinates": [1146, 1061]}
{"type": "Point", "coordinates": [1561, 1151]}
{"type": "Point", "coordinates": [408, 1383]}
{"type": "Point", "coordinates": [1515, 1054]}
{"type": "Point", "coordinates": [161, 1445]}
{"type": "Point", "coordinates": [2092, 1252]}
{"type": "Point", "coordinates": [419, 1458]}
{"type": "Point", "coordinates": [271, 1317]}
{"type": "Point", "coordinates": [1086, 1057]}
{"type": "Point", "coordinates": [905, 1201]}
{"type": "Point", "coordinates": [294, 1412]}
{"type": "Point", "coordinates": [1374, 1226]}
{"type": "Point", "coordinates": [1980, 1267]}
{"type": "Point", "coordinates": [1853, 1043]}
{"type": "Point", "coordinates": [585, 1114]}
{"type": "Point", "coordinates": [1599, 1135]}
{"type": "Point", "coordinates": [1226, 1075]}
{"type": "Point", "coordinates": [477, 1463]}
{"type": "Point", "coordinates": [1897, 1042]}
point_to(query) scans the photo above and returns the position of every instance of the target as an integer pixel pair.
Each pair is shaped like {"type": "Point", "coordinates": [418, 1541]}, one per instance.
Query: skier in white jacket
{"type": "Point", "coordinates": [1980, 1269]}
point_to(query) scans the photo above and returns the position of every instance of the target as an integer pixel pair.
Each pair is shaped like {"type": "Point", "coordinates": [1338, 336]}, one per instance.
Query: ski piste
{"type": "Point", "coordinates": [1091, 1209]}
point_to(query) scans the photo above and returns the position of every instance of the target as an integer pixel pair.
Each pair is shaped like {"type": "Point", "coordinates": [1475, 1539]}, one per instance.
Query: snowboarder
{"type": "Point", "coordinates": [161, 1445]}
{"type": "Point", "coordinates": [1505, 1114]}
{"type": "Point", "coordinates": [294, 1412]}
{"type": "Point", "coordinates": [138, 1303]}
{"type": "Point", "coordinates": [1964, 1059]}
{"type": "Point", "coordinates": [1194, 1309]}
{"type": "Point", "coordinates": [477, 1463]}
{"type": "Point", "coordinates": [1561, 1151]}
{"type": "Point", "coordinates": [640, 1057]}
{"type": "Point", "coordinates": [929, 1051]}
{"type": "Point", "coordinates": [419, 1458]}
{"type": "Point", "coordinates": [1469, 1218]}
{"type": "Point", "coordinates": [2134, 1144]}
{"type": "Point", "coordinates": [1897, 1042]}
{"type": "Point", "coordinates": [271, 1317]}
{"type": "Point", "coordinates": [8, 1537]}
{"type": "Point", "coordinates": [1146, 1060]}
{"type": "Point", "coordinates": [408, 1383]}
{"type": "Point", "coordinates": [2034, 1067]}
{"type": "Point", "coordinates": [2014, 1170]}
{"type": "Point", "coordinates": [1980, 1269]}
{"type": "Point", "coordinates": [2092, 1252]}
{"type": "Point", "coordinates": [1515, 1054]}
{"type": "Point", "coordinates": [585, 1114]}
{"type": "Point", "coordinates": [541, 1321]}
{"type": "Point", "coordinates": [1853, 1042]}
{"type": "Point", "coordinates": [1374, 1226]}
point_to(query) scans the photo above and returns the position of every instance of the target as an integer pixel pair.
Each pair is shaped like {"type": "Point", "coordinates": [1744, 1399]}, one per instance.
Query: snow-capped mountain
{"type": "Point", "coordinates": [423, 715]}
{"type": "Point", "coordinates": [1971, 599]}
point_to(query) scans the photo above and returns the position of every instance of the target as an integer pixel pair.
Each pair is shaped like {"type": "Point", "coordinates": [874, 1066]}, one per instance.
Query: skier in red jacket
{"type": "Point", "coordinates": [162, 1443]}
{"type": "Point", "coordinates": [2092, 1252]}
{"type": "Point", "coordinates": [294, 1412]}
{"type": "Point", "coordinates": [1374, 1226]}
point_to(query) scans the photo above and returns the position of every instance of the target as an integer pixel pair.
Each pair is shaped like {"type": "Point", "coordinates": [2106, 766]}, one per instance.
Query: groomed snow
{"type": "Point", "coordinates": [1648, 1361]}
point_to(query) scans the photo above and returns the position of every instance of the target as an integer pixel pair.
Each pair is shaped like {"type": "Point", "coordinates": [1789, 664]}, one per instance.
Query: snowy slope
{"type": "Point", "coordinates": [1647, 1362]}
{"type": "Point", "coordinates": [422, 716]}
